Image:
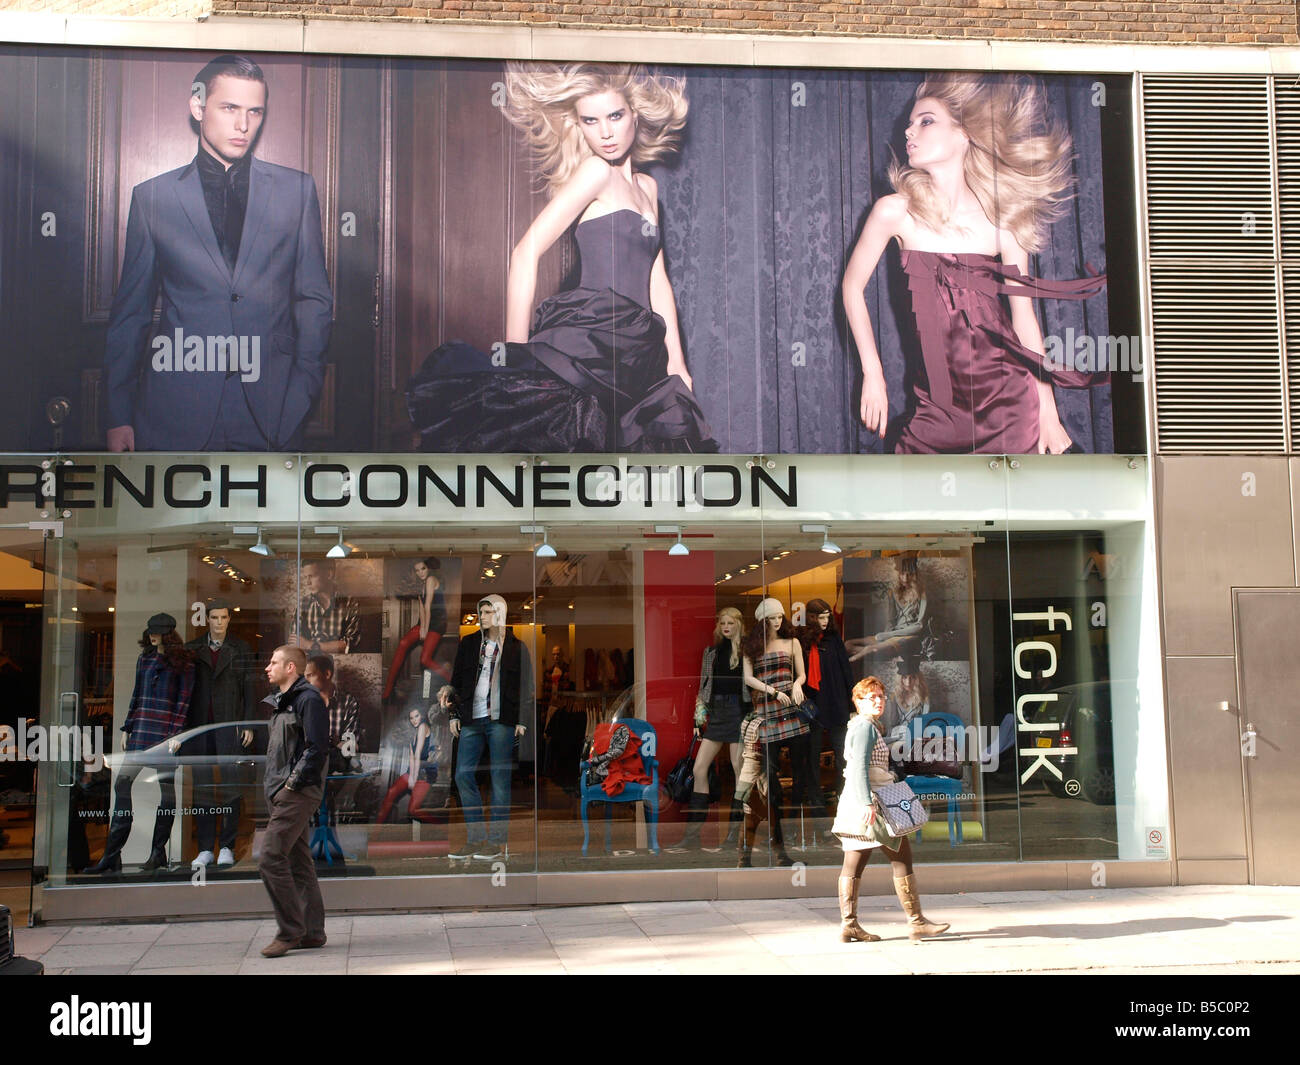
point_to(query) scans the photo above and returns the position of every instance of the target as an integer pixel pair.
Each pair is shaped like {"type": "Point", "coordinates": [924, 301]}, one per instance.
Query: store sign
{"type": "Point", "coordinates": [1044, 746]}
{"type": "Point", "coordinates": [441, 489]}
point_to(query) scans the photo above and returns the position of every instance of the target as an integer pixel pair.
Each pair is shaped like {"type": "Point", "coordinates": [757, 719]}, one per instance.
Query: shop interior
{"type": "Point", "coordinates": [614, 621]}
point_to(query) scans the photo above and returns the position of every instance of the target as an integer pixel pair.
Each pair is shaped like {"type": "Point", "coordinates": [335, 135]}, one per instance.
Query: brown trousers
{"type": "Point", "coordinates": [287, 868]}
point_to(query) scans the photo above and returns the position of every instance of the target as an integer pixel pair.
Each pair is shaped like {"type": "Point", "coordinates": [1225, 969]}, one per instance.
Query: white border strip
{"type": "Point", "coordinates": [343, 36]}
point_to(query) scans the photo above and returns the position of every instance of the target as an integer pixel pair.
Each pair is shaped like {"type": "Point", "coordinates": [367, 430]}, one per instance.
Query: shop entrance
{"type": "Point", "coordinates": [1270, 731]}
{"type": "Point", "coordinates": [22, 590]}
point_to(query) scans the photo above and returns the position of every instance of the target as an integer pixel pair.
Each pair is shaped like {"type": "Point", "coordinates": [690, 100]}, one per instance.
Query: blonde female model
{"type": "Point", "coordinates": [602, 366]}
{"type": "Point", "coordinates": [987, 172]}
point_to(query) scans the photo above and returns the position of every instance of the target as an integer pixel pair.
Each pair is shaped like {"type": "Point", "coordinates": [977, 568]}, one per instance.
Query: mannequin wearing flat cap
{"type": "Point", "coordinates": [160, 706]}
{"type": "Point", "coordinates": [774, 671]}
{"type": "Point", "coordinates": [490, 703]}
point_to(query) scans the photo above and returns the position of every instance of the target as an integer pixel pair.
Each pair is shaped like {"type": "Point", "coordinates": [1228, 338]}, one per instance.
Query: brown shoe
{"type": "Point", "coordinates": [917, 925]}
{"type": "Point", "coordinates": [850, 930]}
{"type": "Point", "coordinates": [278, 947]}
{"type": "Point", "coordinates": [312, 942]}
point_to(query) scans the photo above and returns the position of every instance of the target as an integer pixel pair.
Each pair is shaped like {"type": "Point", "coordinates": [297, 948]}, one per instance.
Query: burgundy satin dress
{"type": "Point", "coordinates": [979, 394]}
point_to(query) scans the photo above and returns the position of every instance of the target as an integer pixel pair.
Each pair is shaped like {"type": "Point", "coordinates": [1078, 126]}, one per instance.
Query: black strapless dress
{"type": "Point", "coordinates": [592, 377]}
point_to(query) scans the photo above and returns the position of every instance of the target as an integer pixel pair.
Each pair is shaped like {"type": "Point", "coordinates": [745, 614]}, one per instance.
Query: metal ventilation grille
{"type": "Point", "coordinates": [1209, 181]}
{"type": "Point", "coordinates": [1291, 307]}
{"type": "Point", "coordinates": [1287, 107]}
{"type": "Point", "coordinates": [1287, 111]}
{"type": "Point", "coordinates": [1212, 221]}
{"type": "Point", "coordinates": [1217, 358]}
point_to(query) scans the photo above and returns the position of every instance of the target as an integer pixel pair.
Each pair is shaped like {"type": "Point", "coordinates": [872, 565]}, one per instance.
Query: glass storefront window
{"type": "Point", "coordinates": [502, 650]}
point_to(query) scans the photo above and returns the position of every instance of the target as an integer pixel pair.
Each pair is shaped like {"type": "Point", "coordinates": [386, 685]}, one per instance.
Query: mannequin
{"type": "Point", "coordinates": [489, 700]}
{"type": "Point", "coordinates": [774, 671]}
{"type": "Point", "coordinates": [160, 707]}
{"type": "Point", "coordinates": [429, 627]}
{"type": "Point", "coordinates": [718, 710]}
{"type": "Point", "coordinates": [223, 693]}
{"type": "Point", "coordinates": [828, 686]}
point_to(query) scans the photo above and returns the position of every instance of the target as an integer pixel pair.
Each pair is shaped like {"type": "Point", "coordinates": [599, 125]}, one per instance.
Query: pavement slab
{"type": "Point", "coordinates": [1200, 929]}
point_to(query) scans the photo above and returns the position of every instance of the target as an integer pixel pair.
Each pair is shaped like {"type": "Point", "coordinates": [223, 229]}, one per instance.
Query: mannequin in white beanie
{"type": "Point", "coordinates": [490, 703]}
{"type": "Point", "coordinates": [774, 671]}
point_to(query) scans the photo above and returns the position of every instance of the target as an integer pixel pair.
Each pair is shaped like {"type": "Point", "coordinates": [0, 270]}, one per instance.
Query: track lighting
{"type": "Point", "coordinates": [679, 549]}
{"type": "Point", "coordinates": [261, 548]}
{"type": "Point", "coordinates": [829, 546]}
{"type": "Point", "coordinates": [544, 549]}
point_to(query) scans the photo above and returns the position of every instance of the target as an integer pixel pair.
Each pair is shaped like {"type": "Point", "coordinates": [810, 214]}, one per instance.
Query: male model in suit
{"type": "Point", "coordinates": [223, 695]}
{"type": "Point", "coordinates": [232, 245]}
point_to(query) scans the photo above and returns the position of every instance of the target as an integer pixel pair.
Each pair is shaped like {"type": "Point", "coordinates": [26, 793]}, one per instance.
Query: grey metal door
{"type": "Point", "coordinates": [1268, 678]}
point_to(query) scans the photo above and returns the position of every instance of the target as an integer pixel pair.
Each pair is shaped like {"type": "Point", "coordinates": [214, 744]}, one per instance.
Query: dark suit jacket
{"type": "Point", "coordinates": [516, 679]}
{"type": "Point", "coordinates": [224, 692]}
{"type": "Point", "coordinates": [278, 295]}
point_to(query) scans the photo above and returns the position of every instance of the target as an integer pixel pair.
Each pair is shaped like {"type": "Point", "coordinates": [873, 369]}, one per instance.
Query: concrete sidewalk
{"type": "Point", "coordinates": [1130, 930]}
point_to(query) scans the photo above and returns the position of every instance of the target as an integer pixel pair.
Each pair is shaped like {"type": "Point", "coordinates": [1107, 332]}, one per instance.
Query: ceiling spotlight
{"type": "Point", "coordinates": [262, 547]}
{"type": "Point", "coordinates": [828, 545]}
{"type": "Point", "coordinates": [339, 550]}
{"type": "Point", "coordinates": [544, 550]}
{"type": "Point", "coordinates": [678, 549]}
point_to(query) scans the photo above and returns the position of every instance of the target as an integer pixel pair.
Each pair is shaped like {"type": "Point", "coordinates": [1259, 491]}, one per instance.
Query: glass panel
{"type": "Point", "coordinates": [1082, 654]}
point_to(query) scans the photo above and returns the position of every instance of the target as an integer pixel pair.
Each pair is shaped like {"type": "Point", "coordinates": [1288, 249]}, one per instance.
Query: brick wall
{"type": "Point", "coordinates": [153, 9]}
{"type": "Point", "coordinates": [1154, 21]}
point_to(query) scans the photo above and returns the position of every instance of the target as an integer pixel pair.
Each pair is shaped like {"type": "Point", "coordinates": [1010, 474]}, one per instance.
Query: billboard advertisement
{"type": "Point", "coordinates": [273, 253]}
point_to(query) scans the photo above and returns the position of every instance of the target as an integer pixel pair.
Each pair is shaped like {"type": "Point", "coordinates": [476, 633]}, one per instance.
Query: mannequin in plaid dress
{"type": "Point", "coordinates": [774, 671]}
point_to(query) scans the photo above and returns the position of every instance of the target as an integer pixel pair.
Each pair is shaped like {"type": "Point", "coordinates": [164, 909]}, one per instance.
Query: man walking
{"type": "Point", "coordinates": [295, 764]}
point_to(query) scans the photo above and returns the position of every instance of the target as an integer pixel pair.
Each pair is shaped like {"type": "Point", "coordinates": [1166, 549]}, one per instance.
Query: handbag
{"type": "Point", "coordinates": [942, 763]}
{"type": "Point", "coordinates": [903, 812]}
{"type": "Point", "coordinates": [807, 710]}
{"type": "Point", "coordinates": [680, 783]}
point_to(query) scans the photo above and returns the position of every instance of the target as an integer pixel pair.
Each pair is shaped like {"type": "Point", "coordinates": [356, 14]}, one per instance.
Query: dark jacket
{"type": "Point", "coordinates": [516, 680]}
{"type": "Point", "coordinates": [160, 701]}
{"type": "Point", "coordinates": [277, 297]}
{"type": "Point", "coordinates": [223, 692]}
{"type": "Point", "coordinates": [298, 742]}
{"type": "Point", "coordinates": [833, 696]}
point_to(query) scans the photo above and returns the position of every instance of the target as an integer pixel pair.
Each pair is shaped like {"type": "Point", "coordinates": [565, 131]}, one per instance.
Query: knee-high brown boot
{"type": "Point", "coordinates": [850, 930]}
{"type": "Point", "coordinates": [755, 811]}
{"type": "Point", "coordinates": [917, 926]}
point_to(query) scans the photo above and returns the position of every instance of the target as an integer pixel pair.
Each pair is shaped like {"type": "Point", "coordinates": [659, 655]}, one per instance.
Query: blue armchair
{"type": "Point", "coordinates": [647, 793]}
{"type": "Point", "coordinates": [932, 725]}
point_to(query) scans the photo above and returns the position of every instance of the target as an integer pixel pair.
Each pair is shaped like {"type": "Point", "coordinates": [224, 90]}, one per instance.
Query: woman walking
{"type": "Point", "coordinates": [866, 765]}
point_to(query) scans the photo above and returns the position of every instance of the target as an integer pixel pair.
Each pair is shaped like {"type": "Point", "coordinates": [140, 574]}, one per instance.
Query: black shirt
{"type": "Point", "coordinates": [225, 192]}
{"type": "Point", "coordinates": [726, 678]}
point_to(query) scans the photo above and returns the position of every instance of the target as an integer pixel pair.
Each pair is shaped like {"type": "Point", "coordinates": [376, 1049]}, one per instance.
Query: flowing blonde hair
{"type": "Point", "coordinates": [541, 100]}
{"type": "Point", "coordinates": [1018, 164]}
{"type": "Point", "coordinates": [739, 619]}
